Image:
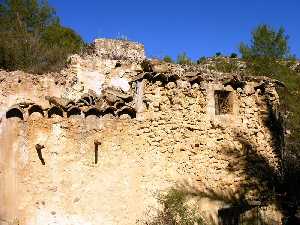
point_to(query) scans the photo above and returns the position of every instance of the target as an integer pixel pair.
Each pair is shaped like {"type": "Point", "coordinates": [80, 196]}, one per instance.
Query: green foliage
{"type": "Point", "coordinates": [32, 39]}
{"type": "Point", "coordinates": [266, 42]}
{"type": "Point", "coordinates": [175, 211]}
{"type": "Point", "coordinates": [225, 66]}
{"type": "Point", "coordinates": [233, 55]}
{"type": "Point", "coordinates": [218, 54]}
{"type": "Point", "coordinates": [201, 60]}
{"type": "Point", "coordinates": [183, 59]}
{"type": "Point", "coordinates": [168, 59]}
{"type": "Point", "coordinates": [269, 56]}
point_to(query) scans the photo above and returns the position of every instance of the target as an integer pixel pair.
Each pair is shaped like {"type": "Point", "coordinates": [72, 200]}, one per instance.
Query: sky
{"type": "Point", "coordinates": [199, 28]}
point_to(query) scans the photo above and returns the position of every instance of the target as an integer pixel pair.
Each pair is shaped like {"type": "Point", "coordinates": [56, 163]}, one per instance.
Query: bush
{"type": "Point", "coordinates": [183, 59]}
{"type": "Point", "coordinates": [201, 60]}
{"type": "Point", "coordinates": [175, 211]}
{"type": "Point", "coordinates": [226, 66]}
{"type": "Point", "coordinates": [168, 59]}
{"type": "Point", "coordinates": [233, 55]}
{"type": "Point", "coordinates": [218, 54]}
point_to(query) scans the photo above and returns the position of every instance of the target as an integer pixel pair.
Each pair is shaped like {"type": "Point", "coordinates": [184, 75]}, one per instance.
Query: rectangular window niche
{"type": "Point", "coordinates": [223, 102]}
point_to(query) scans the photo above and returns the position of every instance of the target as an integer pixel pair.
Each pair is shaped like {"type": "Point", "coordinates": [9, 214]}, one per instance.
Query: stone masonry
{"type": "Point", "coordinates": [97, 142]}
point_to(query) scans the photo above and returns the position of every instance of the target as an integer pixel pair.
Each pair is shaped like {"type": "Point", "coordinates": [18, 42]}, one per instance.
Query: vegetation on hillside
{"type": "Point", "coordinates": [175, 211]}
{"type": "Point", "coordinates": [32, 38]}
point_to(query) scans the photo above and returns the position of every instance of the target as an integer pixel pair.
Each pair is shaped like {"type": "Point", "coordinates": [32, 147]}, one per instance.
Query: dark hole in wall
{"type": "Point", "coordinates": [109, 110]}
{"type": "Point", "coordinates": [36, 108]}
{"type": "Point", "coordinates": [118, 64]}
{"type": "Point", "coordinates": [229, 216]}
{"type": "Point", "coordinates": [96, 151]}
{"type": "Point", "coordinates": [93, 112]}
{"type": "Point", "coordinates": [14, 112]}
{"type": "Point", "coordinates": [223, 102]}
{"type": "Point", "coordinates": [129, 111]}
{"type": "Point", "coordinates": [73, 111]}
{"type": "Point", "coordinates": [173, 78]}
{"type": "Point", "coordinates": [39, 148]}
{"type": "Point", "coordinates": [55, 110]}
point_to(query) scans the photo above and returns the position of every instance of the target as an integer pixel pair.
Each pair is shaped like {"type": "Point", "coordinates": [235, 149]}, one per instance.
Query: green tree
{"type": "Point", "coordinates": [183, 59]}
{"type": "Point", "coordinates": [32, 39]}
{"type": "Point", "coordinates": [266, 42]}
{"type": "Point", "coordinates": [168, 59]}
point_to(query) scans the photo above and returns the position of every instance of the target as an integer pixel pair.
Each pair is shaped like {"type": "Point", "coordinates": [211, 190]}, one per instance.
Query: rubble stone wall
{"type": "Point", "coordinates": [106, 158]}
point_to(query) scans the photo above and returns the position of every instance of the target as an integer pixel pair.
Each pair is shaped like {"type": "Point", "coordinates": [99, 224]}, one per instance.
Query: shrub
{"type": "Point", "coordinates": [175, 211]}
{"type": "Point", "coordinates": [201, 60]}
{"type": "Point", "coordinates": [226, 66]}
{"type": "Point", "coordinates": [183, 59]}
{"type": "Point", "coordinates": [168, 59]}
{"type": "Point", "coordinates": [218, 54]}
{"type": "Point", "coordinates": [233, 55]}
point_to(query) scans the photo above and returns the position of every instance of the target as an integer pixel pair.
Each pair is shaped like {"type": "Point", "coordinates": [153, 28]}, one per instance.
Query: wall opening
{"type": "Point", "coordinates": [96, 143]}
{"type": "Point", "coordinates": [93, 112]}
{"type": "Point", "coordinates": [127, 111]}
{"type": "Point", "coordinates": [39, 148]}
{"type": "Point", "coordinates": [14, 113]}
{"type": "Point", "coordinates": [35, 109]}
{"type": "Point", "coordinates": [73, 111]}
{"type": "Point", "coordinates": [223, 102]}
{"type": "Point", "coordinates": [55, 110]}
{"type": "Point", "coordinates": [109, 110]}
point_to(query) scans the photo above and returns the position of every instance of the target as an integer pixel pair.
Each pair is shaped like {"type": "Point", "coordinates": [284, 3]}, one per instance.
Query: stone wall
{"type": "Point", "coordinates": [119, 49]}
{"type": "Point", "coordinates": [98, 142]}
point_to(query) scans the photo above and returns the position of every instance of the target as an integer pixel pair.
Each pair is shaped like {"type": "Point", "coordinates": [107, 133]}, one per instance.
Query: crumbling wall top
{"type": "Point", "coordinates": [119, 49]}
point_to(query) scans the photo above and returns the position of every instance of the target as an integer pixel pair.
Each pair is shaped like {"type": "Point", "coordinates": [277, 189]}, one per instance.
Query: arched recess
{"type": "Point", "coordinates": [55, 110]}
{"type": "Point", "coordinates": [93, 112]}
{"type": "Point", "coordinates": [35, 109]}
{"type": "Point", "coordinates": [109, 110]}
{"type": "Point", "coordinates": [15, 112]}
{"type": "Point", "coordinates": [127, 110]}
{"type": "Point", "coordinates": [73, 111]}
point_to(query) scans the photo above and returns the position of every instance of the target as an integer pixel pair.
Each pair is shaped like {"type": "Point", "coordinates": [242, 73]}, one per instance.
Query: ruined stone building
{"type": "Point", "coordinates": [96, 143]}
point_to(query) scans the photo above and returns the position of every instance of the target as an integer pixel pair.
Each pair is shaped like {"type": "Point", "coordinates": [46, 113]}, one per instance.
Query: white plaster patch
{"type": "Point", "coordinates": [57, 133]}
{"type": "Point", "coordinates": [44, 216]}
{"type": "Point", "coordinates": [120, 83]}
{"type": "Point", "coordinates": [92, 80]}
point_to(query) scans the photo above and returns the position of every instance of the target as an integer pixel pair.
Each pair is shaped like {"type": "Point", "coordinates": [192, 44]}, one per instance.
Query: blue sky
{"type": "Point", "coordinates": [199, 28]}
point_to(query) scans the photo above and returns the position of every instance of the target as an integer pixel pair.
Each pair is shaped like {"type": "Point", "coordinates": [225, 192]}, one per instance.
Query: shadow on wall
{"type": "Point", "coordinates": [264, 183]}
{"type": "Point", "coordinates": [242, 206]}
